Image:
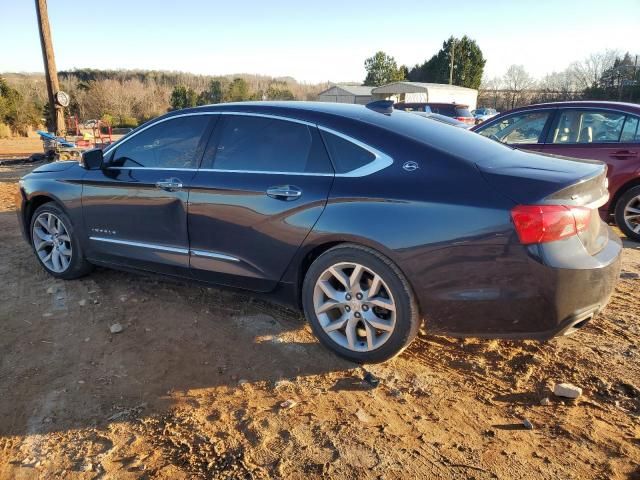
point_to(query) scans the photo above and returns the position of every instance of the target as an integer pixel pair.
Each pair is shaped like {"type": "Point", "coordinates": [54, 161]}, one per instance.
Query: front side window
{"type": "Point", "coordinates": [523, 128]}
{"type": "Point", "coordinates": [588, 126]}
{"type": "Point", "coordinates": [169, 144]}
{"type": "Point", "coordinates": [264, 144]}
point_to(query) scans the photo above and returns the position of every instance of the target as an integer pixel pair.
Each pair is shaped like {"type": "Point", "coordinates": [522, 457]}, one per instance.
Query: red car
{"type": "Point", "coordinates": [453, 110]}
{"type": "Point", "coordinates": [606, 131]}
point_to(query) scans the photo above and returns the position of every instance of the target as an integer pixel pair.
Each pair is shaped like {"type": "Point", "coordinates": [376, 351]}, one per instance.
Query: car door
{"type": "Point", "coordinates": [597, 134]}
{"type": "Point", "coordinates": [525, 130]}
{"type": "Point", "coordinates": [263, 184]}
{"type": "Point", "coordinates": [135, 207]}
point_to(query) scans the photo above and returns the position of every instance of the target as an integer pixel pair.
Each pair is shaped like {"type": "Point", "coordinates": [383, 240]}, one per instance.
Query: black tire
{"type": "Point", "coordinates": [407, 321]}
{"type": "Point", "coordinates": [628, 196]}
{"type": "Point", "coordinates": [78, 266]}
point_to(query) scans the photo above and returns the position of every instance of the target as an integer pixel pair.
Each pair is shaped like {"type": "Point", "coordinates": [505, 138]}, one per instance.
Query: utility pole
{"type": "Point", "coordinates": [55, 122]}
{"type": "Point", "coordinates": [453, 53]}
{"type": "Point", "coordinates": [634, 81]}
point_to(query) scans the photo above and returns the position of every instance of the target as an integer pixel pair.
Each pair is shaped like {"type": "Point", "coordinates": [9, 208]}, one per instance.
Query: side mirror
{"type": "Point", "coordinates": [92, 159]}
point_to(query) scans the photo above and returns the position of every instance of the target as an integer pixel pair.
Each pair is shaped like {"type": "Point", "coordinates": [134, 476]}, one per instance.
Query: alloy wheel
{"type": "Point", "coordinates": [354, 306]}
{"type": "Point", "coordinates": [52, 242]}
{"type": "Point", "coordinates": [632, 214]}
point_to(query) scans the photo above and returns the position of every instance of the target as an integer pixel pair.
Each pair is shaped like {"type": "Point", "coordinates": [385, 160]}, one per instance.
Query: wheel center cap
{"type": "Point", "coordinates": [355, 305]}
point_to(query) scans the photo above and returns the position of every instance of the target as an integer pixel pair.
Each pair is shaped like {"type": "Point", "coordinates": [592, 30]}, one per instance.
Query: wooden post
{"type": "Point", "coordinates": [55, 122]}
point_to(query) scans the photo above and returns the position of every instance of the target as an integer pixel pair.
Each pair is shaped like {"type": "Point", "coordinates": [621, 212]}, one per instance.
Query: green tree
{"type": "Point", "coordinates": [468, 64]}
{"type": "Point", "coordinates": [183, 97]}
{"type": "Point", "coordinates": [279, 93]}
{"type": "Point", "coordinates": [213, 94]}
{"type": "Point", "coordinates": [238, 90]}
{"type": "Point", "coordinates": [381, 69]}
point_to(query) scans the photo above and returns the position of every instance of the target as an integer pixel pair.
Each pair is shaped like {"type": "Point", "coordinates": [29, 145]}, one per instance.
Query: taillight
{"type": "Point", "coordinates": [465, 119]}
{"type": "Point", "coordinates": [547, 223]}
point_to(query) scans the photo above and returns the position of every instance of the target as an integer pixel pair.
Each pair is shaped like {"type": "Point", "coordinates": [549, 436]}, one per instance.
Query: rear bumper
{"type": "Point", "coordinates": [548, 293]}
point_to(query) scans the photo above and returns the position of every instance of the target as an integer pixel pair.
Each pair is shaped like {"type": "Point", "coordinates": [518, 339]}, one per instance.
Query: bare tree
{"type": "Point", "coordinates": [490, 91]}
{"type": "Point", "coordinates": [516, 82]}
{"type": "Point", "coordinates": [587, 73]}
{"type": "Point", "coordinates": [557, 86]}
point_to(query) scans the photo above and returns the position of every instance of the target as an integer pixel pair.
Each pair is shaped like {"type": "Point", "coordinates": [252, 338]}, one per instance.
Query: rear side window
{"type": "Point", "coordinates": [169, 144]}
{"type": "Point", "coordinates": [263, 144]}
{"type": "Point", "coordinates": [523, 128]}
{"type": "Point", "coordinates": [630, 131]}
{"type": "Point", "coordinates": [588, 126]}
{"type": "Point", "coordinates": [346, 155]}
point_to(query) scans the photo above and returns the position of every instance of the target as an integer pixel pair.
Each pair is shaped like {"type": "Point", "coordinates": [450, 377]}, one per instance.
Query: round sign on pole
{"type": "Point", "coordinates": [62, 98]}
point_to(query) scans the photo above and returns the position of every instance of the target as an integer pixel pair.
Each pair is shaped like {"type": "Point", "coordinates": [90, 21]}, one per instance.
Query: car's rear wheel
{"type": "Point", "coordinates": [628, 213]}
{"type": "Point", "coordinates": [359, 304]}
{"type": "Point", "coordinates": [56, 244]}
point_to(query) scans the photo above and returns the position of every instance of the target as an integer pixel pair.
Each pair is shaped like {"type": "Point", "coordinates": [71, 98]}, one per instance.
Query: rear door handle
{"type": "Point", "coordinates": [170, 184]}
{"type": "Point", "coordinates": [624, 154]}
{"type": "Point", "coordinates": [284, 192]}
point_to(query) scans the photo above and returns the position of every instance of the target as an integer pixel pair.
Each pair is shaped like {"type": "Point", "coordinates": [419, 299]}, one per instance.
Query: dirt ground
{"type": "Point", "coordinates": [19, 146]}
{"type": "Point", "coordinates": [194, 386]}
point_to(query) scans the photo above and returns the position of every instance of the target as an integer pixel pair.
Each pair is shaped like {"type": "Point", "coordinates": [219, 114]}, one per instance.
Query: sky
{"type": "Point", "coordinates": [311, 41]}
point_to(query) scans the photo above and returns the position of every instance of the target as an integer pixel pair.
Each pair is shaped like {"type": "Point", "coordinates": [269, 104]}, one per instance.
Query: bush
{"type": "Point", "coordinates": [108, 120]}
{"type": "Point", "coordinates": [119, 122]}
{"type": "Point", "coordinates": [5, 130]}
{"type": "Point", "coordinates": [127, 122]}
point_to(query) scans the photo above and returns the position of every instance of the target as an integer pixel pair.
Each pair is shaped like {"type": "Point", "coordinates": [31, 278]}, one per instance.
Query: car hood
{"type": "Point", "coordinates": [55, 166]}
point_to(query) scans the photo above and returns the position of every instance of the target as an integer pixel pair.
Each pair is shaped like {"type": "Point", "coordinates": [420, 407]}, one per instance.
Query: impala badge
{"type": "Point", "coordinates": [410, 166]}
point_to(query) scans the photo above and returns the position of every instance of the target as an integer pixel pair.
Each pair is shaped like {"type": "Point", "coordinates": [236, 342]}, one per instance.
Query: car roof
{"type": "Point", "coordinates": [627, 107]}
{"type": "Point", "coordinates": [323, 113]}
{"type": "Point", "coordinates": [441, 104]}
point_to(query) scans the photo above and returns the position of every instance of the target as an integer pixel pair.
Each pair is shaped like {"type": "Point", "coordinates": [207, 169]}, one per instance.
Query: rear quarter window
{"type": "Point", "coordinates": [346, 155]}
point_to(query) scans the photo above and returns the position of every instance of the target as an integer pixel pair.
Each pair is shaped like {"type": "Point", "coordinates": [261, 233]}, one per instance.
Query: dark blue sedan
{"type": "Point", "coordinates": [372, 220]}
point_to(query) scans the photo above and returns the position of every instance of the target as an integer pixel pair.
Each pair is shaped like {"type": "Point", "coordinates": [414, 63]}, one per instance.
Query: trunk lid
{"type": "Point", "coordinates": [536, 179]}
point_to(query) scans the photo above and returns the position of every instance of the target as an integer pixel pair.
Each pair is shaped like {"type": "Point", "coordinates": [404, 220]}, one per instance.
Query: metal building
{"type": "Point", "coordinates": [347, 94]}
{"type": "Point", "coordinates": [426, 92]}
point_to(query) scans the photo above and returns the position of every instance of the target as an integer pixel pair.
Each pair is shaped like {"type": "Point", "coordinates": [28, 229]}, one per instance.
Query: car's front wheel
{"type": "Point", "coordinates": [56, 244]}
{"type": "Point", "coordinates": [359, 304]}
{"type": "Point", "coordinates": [628, 213]}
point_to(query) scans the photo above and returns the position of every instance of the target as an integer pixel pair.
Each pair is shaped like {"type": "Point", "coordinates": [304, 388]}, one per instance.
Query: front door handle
{"type": "Point", "coordinates": [170, 184]}
{"type": "Point", "coordinates": [624, 154]}
{"type": "Point", "coordinates": [284, 192]}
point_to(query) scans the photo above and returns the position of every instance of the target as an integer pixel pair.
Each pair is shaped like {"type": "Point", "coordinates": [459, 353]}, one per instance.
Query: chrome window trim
{"type": "Point", "coordinates": [152, 246]}
{"type": "Point", "coordinates": [157, 168]}
{"type": "Point", "coordinates": [267, 172]}
{"type": "Point", "coordinates": [218, 256]}
{"type": "Point", "coordinates": [380, 162]}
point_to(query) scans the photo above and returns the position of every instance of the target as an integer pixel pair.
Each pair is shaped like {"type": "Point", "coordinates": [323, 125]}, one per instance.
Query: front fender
{"type": "Point", "coordinates": [62, 186]}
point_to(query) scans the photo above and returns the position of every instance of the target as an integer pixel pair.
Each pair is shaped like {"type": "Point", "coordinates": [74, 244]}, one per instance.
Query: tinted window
{"type": "Point", "coordinates": [169, 144]}
{"type": "Point", "coordinates": [346, 155]}
{"type": "Point", "coordinates": [630, 131]}
{"type": "Point", "coordinates": [269, 145]}
{"type": "Point", "coordinates": [584, 126]}
{"type": "Point", "coordinates": [517, 129]}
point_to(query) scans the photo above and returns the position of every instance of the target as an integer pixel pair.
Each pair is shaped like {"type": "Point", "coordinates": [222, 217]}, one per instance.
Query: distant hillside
{"type": "Point", "coordinates": [300, 90]}
{"type": "Point", "coordinates": [128, 97]}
